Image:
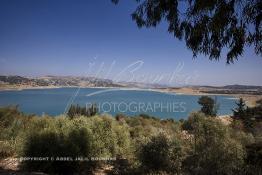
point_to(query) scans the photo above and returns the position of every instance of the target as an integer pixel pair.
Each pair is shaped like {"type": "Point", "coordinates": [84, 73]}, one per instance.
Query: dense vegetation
{"type": "Point", "coordinates": [136, 145]}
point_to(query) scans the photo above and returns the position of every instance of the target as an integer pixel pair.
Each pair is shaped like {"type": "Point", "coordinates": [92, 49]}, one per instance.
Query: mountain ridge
{"type": "Point", "coordinates": [89, 81]}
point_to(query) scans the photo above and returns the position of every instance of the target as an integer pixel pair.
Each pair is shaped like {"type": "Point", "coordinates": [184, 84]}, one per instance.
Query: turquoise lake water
{"type": "Point", "coordinates": [113, 101]}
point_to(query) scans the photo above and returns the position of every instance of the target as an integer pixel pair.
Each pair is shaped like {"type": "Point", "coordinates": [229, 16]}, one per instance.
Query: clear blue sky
{"type": "Point", "coordinates": [82, 37]}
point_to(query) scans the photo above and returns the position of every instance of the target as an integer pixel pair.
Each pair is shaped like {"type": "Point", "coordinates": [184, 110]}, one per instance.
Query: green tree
{"type": "Point", "coordinates": [209, 105]}
{"type": "Point", "coordinates": [214, 151]}
{"type": "Point", "coordinates": [77, 110]}
{"type": "Point", "coordinates": [161, 154]}
{"type": "Point", "coordinates": [240, 111]}
{"type": "Point", "coordinates": [206, 26]}
{"type": "Point", "coordinates": [50, 144]}
{"type": "Point", "coordinates": [251, 117]}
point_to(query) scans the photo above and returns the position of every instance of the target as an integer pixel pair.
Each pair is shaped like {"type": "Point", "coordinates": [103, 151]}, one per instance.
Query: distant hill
{"type": "Point", "coordinates": [67, 81]}
{"type": "Point", "coordinates": [57, 81]}
{"type": "Point", "coordinates": [235, 87]}
{"type": "Point", "coordinates": [231, 89]}
{"type": "Point", "coordinates": [243, 87]}
{"type": "Point", "coordinates": [142, 85]}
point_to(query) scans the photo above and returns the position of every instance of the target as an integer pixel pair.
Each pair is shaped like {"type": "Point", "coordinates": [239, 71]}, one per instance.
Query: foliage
{"type": "Point", "coordinates": [207, 26]}
{"type": "Point", "coordinates": [12, 130]}
{"type": "Point", "coordinates": [239, 111]}
{"type": "Point", "coordinates": [8, 115]}
{"type": "Point", "coordinates": [161, 154]}
{"type": "Point", "coordinates": [75, 144]}
{"type": "Point", "coordinates": [209, 105]}
{"type": "Point", "coordinates": [188, 124]}
{"type": "Point", "coordinates": [250, 117]}
{"type": "Point", "coordinates": [95, 137]}
{"type": "Point", "coordinates": [214, 151]}
{"type": "Point", "coordinates": [141, 144]}
{"type": "Point", "coordinates": [254, 158]}
{"type": "Point", "coordinates": [110, 138]}
{"type": "Point", "coordinates": [6, 149]}
{"type": "Point", "coordinates": [76, 110]}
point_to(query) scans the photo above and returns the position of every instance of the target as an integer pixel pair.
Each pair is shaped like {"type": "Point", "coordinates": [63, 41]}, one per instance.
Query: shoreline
{"type": "Point", "coordinates": [249, 98]}
{"type": "Point", "coordinates": [45, 87]}
{"type": "Point", "coordinates": [225, 118]}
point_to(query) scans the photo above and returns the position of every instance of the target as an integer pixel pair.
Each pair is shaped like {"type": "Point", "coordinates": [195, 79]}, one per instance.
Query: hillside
{"type": "Point", "coordinates": [55, 81]}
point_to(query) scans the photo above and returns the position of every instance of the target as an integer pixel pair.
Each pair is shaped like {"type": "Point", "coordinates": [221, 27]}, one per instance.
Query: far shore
{"type": "Point", "coordinates": [19, 88]}
{"type": "Point", "coordinates": [250, 99]}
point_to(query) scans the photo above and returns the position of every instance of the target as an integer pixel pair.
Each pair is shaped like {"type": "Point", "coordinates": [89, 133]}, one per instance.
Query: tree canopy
{"type": "Point", "coordinates": [208, 105]}
{"type": "Point", "coordinates": [207, 27]}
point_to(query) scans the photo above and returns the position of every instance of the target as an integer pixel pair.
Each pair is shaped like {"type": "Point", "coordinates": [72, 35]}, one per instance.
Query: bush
{"type": "Point", "coordinates": [76, 110]}
{"type": "Point", "coordinates": [140, 144]}
{"type": "Point", "coordinates": [213, 149]}
{"type": "Point", "coordinates": [161, 154]}
{"type": "Point", "coordinates": [13, 125]}
{"type": "Point", "coordinates": [111, 138]}
{"type": "Point", "coordinates": [194, 117]}
{"type": "Point", "coordinates": [254, 158]}
{"type": "Point", "coordinates": [6, 149]}
{"type": "Point", "coordinates": [209, 105]}
{"type": "Point", "coordinates": [95, 137]}
{"type": "Point", "coordinates": [55, 145]}
{"type": "Point", "coordinates": [8, 115]}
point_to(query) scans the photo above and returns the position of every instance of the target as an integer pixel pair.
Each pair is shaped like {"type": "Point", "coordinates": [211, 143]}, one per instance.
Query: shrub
{"type": "Point", "coordinates": [76, 110]}
{"type": "Point", "coordinates": [55, 145]}
{"type": "Point", "coordinates": [110, 137]}
{"type": "Point", "coordinates": [120, 117]}
{"type": "Point", "coordinates": [254, 158]}
{"type": "Point", "coordinates": [6, 149]}
{"type": "Point", "coordinates": [161, 154]}
{"type": "Point", "coordinates": [13, 126]}
{"type": "Point", "coordinates": [139, 144]}
{"type": "Point", "coordinates": [192, 119]}
{"type": "Point", "coordinates": [213, 149]}
{"type": "Point", "coordinates": [8, 115]}
{"type": "Point", "coordinates": [146, 116]}
{"type": "Point", "coordinates": [209, 105]}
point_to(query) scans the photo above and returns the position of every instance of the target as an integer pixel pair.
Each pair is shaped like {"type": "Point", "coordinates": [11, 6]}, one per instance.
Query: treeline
{"type": "Point", "coordinates": [142, 144]}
